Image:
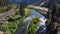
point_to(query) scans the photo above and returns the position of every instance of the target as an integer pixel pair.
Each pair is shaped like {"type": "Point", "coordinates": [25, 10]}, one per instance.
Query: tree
{"type": "Point", "coordinates": [7, 32]}
{"type": "Point", "coordinates": [33, 25]}
{"type": "Point", "coordinates": [4, 27]}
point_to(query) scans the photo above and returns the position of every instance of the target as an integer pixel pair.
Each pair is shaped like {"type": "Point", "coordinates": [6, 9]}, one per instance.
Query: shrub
{"type": "Point", "coordinates": [4, 27]}
{"type": "Point", "coordinates": [7, 32]}
{"type": "Point", "coordinates": [4, 10]}
{"type": "Point", "coordinates": [33, 25]}
{"type": "Point", "coordinates": [47, 22]}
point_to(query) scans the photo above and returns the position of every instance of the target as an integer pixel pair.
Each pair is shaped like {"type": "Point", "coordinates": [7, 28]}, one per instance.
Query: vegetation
{"type": "Point", "coordinates": [27, 13]}
{"type": "Point", "coordinates": [5, 6]}
{"type": "Point", "coordinates": [33, 25]}
{"type": "Point", "coordinates": [12, 22]}
{"type": "Point", "coordinates": [47, 22]}
{"type": "Point", "coordinates": [4, 3]}
{"type": "Point", "coordinates": [10, 26]}
{"type": "Point", "coordinates": [5, 9]}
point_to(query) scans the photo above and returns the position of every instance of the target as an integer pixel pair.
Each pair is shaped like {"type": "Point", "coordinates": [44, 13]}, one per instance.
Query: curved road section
{"type": "Point", "coordinates": [23, 27]}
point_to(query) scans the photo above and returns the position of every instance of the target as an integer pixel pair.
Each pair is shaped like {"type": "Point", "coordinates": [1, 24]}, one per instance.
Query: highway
{"type": "Point", "coordinates": [4, 15]}
{"type": "Point", "coordinates": [37, 2]}
{"type": "Point", "coordinates": [40, 8]}
{"type": "Point", "coordinates": [23, 27]}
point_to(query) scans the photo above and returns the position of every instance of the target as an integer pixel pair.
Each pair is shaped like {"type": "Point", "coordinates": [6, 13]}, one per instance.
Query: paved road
{"type": "Point", "coordinates": [6, 14]}
{"type": "Point", "coordinates": [23, 27]}
{"type": "Point", "coordinates": [37, 2]}
{"type": "Point", "coordinates": [40, 8]}
{"type": "Point", "coordinates": [48, 3]}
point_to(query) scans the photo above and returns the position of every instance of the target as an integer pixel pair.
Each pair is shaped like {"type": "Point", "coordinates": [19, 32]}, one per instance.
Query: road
{"type": "Point", "coordinates": [40, 8]}
{"type": "Point", "coordinates": [6, 14]}
{"type": "Point", "coordinates": [37, 3]}
{"type": "Point", "coordinates": [23, 27]}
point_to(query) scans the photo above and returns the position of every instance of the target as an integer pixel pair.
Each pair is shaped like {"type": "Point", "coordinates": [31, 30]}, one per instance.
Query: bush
{"type": "Point", "coordinates": [33, 25]}
{"type": "Point", "coordinates": [7, 32]}
{"type": "Point", "coordinates": [4, 27]}
{"type": "Point", "coordinates": [4, 10]}
{"type": "Point", "coordinates": [27, 13]}
{"type": "Point", "coordinates": [12, 23]}
{"type": "Point", "coordinates": [47, 22]}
